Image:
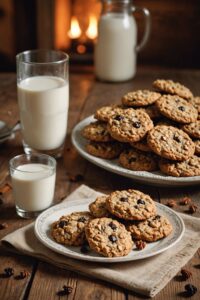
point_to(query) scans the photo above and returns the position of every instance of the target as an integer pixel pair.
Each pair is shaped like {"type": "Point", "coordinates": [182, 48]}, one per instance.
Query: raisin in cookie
{"type": "Point", "coordinates": [140, 98]}
{"type": "Point", "coordinates": [108, 150]}
{"type": "Point", "coordinates": [137, 160]}
{"type": "Point", "coordinates": [105, 112]}
{"type": "Point", "coordinates": [98, 208]}
{"type": "Point", "coordinates": [171, 87]}
{"type": "Point", "coordinates": [129, 126]}
{"type": "Point", "coordinates": [177, 109]}
{"type": "Point", "coordinates": [108, 237]}
{"type": "Point", "coordinates": [151, 230]}
{"type": "Point", "coordinates": [70, 229]}
{"type": "Point", "coordinates": [170, 142]}
{"type": "Point", "coordinates": [192, 129]}
{"type": "Point", "coordinates": [131, 205]}
{"type": "Point", "coordinates": [97, 132]}
{"type": "Point", "coordinates": [189, 167]}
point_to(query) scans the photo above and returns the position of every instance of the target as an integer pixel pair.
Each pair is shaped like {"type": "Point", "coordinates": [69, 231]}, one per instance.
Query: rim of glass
{"type": "Point", "coordinates": [65, 56]}
{"type": "Point", "coordinates": [26, 156]}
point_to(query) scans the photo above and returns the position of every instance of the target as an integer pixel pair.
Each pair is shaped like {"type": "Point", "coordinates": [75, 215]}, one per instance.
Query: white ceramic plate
{"type": "Point", "coordinates": [44, 221]}
{"type": "Point", "coordinates": [155, 178]}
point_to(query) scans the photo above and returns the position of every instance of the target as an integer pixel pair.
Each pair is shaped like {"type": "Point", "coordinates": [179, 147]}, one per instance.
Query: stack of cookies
{"type": "Point", "coordinates": [150, 130]}
{"type": "Point", "coordinates": [114, 222]}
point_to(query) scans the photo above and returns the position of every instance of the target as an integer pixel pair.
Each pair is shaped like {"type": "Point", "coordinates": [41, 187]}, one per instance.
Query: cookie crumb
{"type": "Point", "coordinates": [192, 208]}
{"type": "Point", "coordinates": [185, 274]}
{"type": "Point", "coordinates": [140, 245]}
{"type": "Point", "coordinates": [185, 201]}
{"type": "Point", "coordinates": [23, 274]}
{"type": "Point", "coordinates": [171, 203]}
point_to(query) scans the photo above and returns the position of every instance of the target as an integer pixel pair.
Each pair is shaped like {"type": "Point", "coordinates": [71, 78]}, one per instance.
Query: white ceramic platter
{"type": "Point", "coordinates": [154, 178]}
{"type": "Point", "coordinates": [44, 221]}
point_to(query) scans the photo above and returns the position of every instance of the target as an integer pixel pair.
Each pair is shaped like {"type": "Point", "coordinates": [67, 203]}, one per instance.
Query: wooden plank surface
{"type": "Point", "coordinates": [86, 95]}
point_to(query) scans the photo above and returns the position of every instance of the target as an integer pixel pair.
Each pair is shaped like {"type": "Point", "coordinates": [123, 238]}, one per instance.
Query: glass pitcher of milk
{"type": "Point", "coordinates": [116, 48]}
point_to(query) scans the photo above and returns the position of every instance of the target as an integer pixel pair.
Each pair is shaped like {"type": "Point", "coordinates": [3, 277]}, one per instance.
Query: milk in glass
{"type": "Point", "coordinates": [43, 105]}
{"type": "Point", "coordinates": [33, 186]}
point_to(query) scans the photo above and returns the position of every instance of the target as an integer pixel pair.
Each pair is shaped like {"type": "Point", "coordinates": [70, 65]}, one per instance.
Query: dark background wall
{"type": "Point", "coordinates": [175, 35]}
{"type": "Point", "coordinates": [174, 40]}
{"type": "Point", "coordinates": [17, 30]}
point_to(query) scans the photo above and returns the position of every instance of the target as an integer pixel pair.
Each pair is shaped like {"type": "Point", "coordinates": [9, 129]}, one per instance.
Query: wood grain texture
{"type": "Point", "coordinates": [174, 38]}
{"type": "Point", "coordinates": [85, 96]}
{"type": "Point", "coordinates": [12, 288]}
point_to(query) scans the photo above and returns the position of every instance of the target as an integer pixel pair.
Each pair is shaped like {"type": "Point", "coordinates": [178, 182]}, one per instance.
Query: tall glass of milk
{"type": "Point", "coordinates": [43, 99]}
{"type": "Point", "coordinates": [116, 47]}
{"type": "Point", "coordinates": [33, 181]}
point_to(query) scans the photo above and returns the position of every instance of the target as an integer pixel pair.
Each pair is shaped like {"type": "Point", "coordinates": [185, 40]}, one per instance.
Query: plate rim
{"type": "Point", "coordinates": [137, 175]}
{"type": "Point", "coordinates": [43, 216]}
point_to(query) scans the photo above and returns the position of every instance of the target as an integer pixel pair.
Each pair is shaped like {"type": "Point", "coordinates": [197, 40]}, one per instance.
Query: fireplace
{"type": "Point", "coordinates": [81, 43]}
{"type": "Point", "coordinates": [75, 28]}
{"type": "Point", "coordinates": [68, 25]}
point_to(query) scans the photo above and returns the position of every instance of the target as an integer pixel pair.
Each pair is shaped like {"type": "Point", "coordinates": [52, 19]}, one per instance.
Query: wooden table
{"type": "Point", "coordinates": [86, 95]}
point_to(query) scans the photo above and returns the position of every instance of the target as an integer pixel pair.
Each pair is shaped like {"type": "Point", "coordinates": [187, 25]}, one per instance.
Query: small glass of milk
{"type": "Point", "coordinates": [33, 181]}
{"type": "Point", "coordinates": [43, 99]}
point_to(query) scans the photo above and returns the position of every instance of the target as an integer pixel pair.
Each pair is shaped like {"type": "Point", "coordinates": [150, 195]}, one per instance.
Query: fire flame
{"type": "Point", "coordinates": [91, 32]}
{"type": "Point", "coordinates": [75, 31]}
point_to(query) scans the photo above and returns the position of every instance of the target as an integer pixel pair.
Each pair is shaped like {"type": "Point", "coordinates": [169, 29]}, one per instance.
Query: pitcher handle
{"type": "Point", "coordinates": [147, 17]}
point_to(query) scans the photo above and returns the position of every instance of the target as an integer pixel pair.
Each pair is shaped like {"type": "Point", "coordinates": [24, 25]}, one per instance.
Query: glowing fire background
{"type": "Point", "coordinates": [76, 21]}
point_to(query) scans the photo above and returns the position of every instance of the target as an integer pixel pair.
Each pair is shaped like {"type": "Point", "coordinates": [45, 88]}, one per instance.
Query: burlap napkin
{"type": "Point", "coordinates": [147, 276]}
